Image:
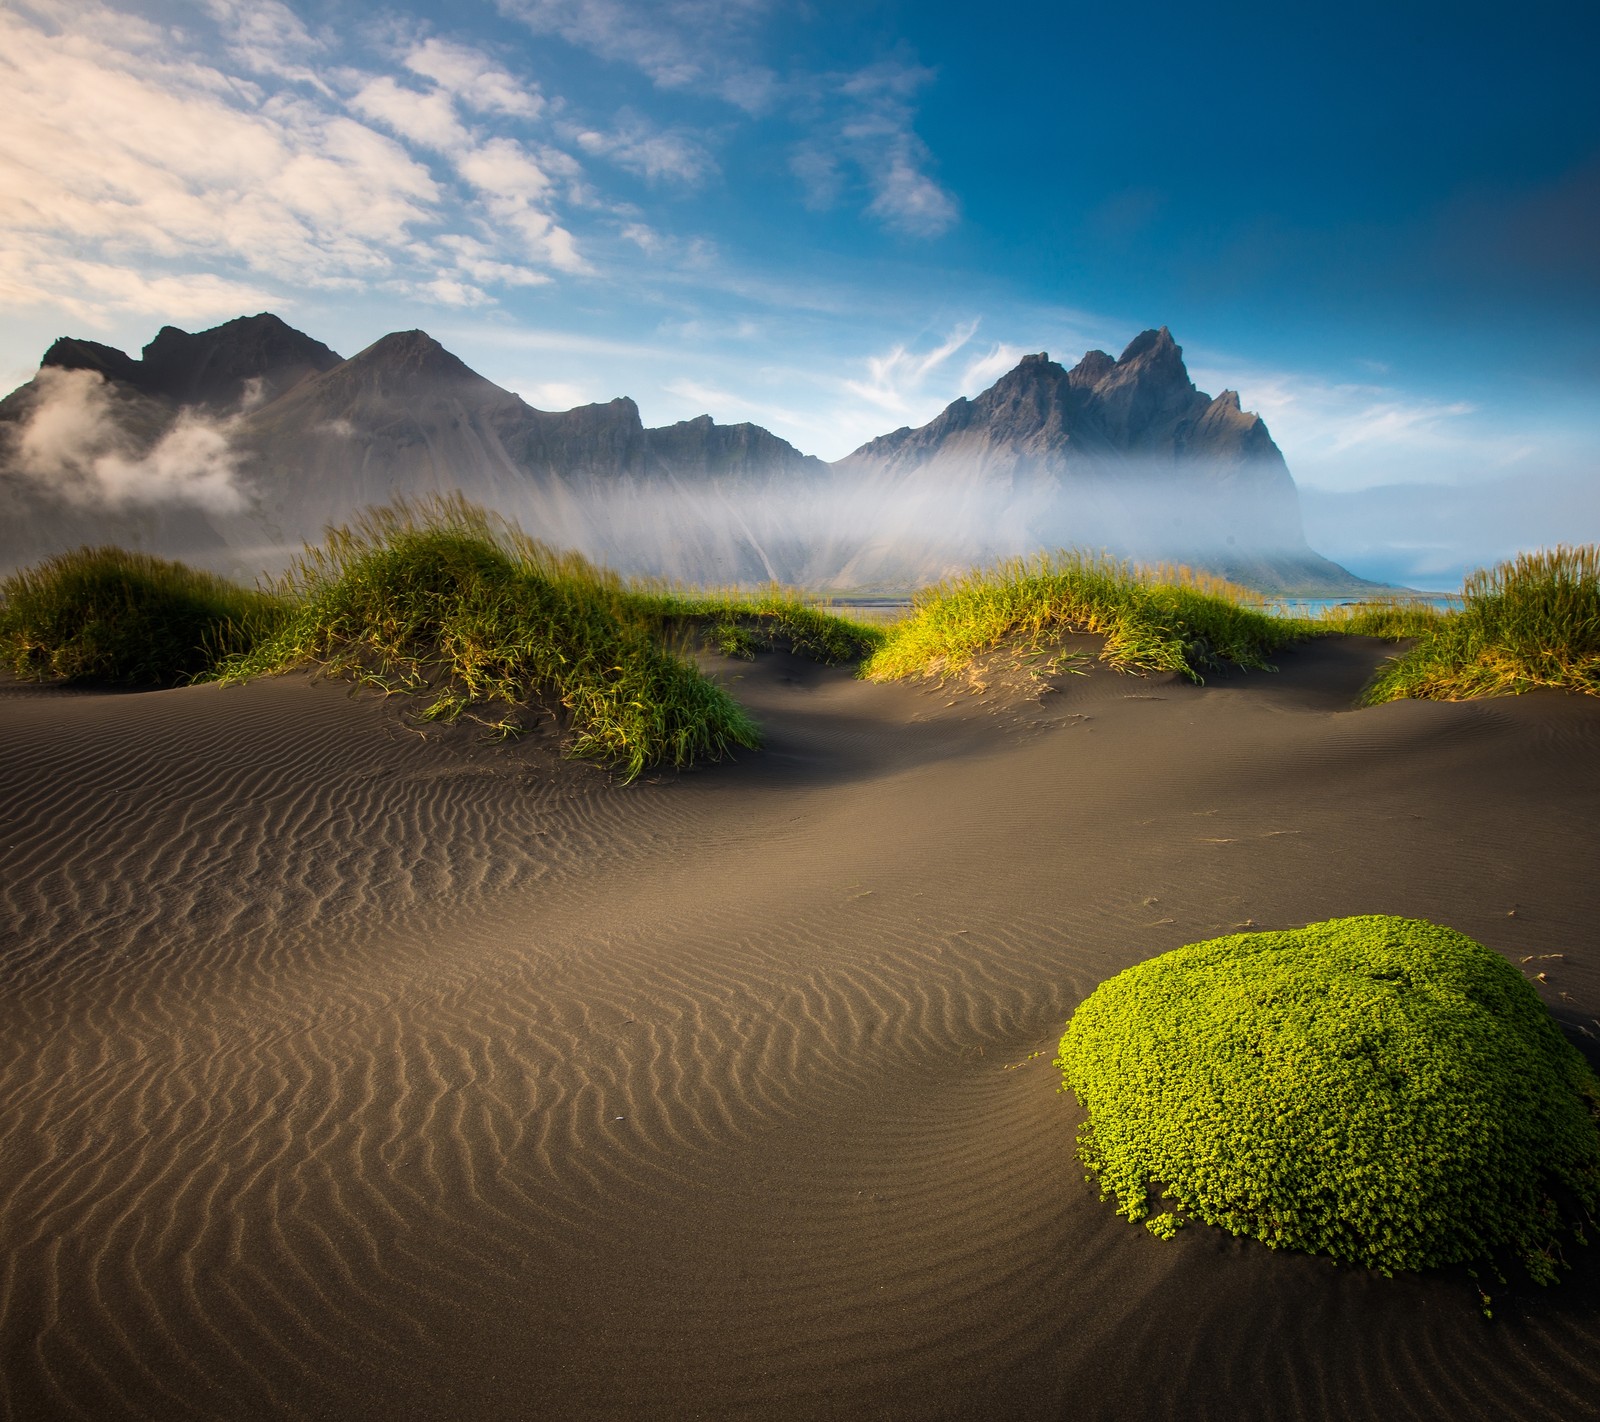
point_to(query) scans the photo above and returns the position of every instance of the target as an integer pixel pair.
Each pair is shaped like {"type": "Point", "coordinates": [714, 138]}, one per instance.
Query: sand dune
{"type": "Point", "coordinates": [352, 1071]}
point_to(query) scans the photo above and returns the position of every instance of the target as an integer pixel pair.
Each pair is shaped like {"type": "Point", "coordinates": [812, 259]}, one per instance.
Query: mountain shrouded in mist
{"type": "Point", "coordinates": [233, 446]}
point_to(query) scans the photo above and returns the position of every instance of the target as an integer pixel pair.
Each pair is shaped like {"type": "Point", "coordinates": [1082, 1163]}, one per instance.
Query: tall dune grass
{"type": "Point", "coordinates": [1531, 622]}
{"type": "Point", "coordinates": [443, 600]}
{"type": "Point", "coordinates": [1165, 618]}
{"type": "Point", "coordinates": [108, 616]}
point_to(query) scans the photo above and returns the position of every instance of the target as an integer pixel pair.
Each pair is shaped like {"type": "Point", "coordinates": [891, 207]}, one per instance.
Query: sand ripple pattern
{"type": "Point", "coordinates": [347, 1073]}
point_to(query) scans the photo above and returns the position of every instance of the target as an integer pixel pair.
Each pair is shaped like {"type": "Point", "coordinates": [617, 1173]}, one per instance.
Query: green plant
{"type": "Point", "coordinates": [1153, 619]}
{"type": "Point", "coordinates": [741, 623]}
{"type": "Point", "coordinates": [1382, 1090]}
{"type": "Point", "coordinates": [110, 616]}
{"type": "Point", "coordinates": [444, 600]}
{"type": "Point", "coordinates": [1531, 622]}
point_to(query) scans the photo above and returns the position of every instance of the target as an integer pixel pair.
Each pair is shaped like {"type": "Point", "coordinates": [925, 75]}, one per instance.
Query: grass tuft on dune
{"type": "Point", "coordinates": [1153, 619]}
{"type": "Point", "coordinates": [1381, 1090]}
{"type": "Point", "coordinates": [738, 624]}
{"type": "Point", "coordinates": [108, 616]}
{"type": "Point", "coordinates": [1531, 622]}
{"type": "Point", "coordinates": [446, 601]}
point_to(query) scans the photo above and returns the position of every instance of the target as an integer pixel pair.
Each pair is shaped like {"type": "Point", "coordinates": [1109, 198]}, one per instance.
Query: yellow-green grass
{"type": "Point", "coordinates": [739, 623]}
{"type": "Point", "coordinates": [1528, 623]}
{"type": "Point", "coordinates": [109, 616]}
{"type": "Point", "coordinates": [1384, 1091]}
{"type": "Point", "coordinates": [455, 605]}
{"type": "Point", "coordinates": [1152, 619]}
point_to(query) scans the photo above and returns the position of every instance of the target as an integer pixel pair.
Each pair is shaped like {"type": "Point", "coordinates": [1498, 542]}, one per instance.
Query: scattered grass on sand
{"type": "Point", "coordinates": [1153, 619]}
{"type": "Point", "coordinates": [1381, 1090]}
{"type": "Point", "coordinates": [439, 599]}
{"type": "Point", "coordinates": [442, 599]}
{"type": "Point", "coordinates": [1531, 622]}
{"type": "Point", "coordinates": [108, 616]}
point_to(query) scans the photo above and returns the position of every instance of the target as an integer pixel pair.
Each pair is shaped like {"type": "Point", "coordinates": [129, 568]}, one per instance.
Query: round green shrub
{"type": "Point", "coordinates": [1381, 1090]}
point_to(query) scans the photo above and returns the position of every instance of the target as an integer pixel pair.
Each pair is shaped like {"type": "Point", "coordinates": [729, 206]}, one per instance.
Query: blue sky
{"type": "Point", "coordinates": [1378, 223]}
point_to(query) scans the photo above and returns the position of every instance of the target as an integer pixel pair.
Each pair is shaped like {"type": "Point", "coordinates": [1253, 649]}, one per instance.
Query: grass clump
{"type": "Point", "coordinates": [446, 601]}
{"type": "Point", "coordinates": [740, 624]}
{"type": "Point", "coordinates": [108, 616]}
{"type": "Point", "coordinates": [1395, 619]}
{"type": "Point", "coordinates": [1381, 1090]}
{"type": "Point", "coordinates": [1531, 622]}
{"type": "Point", "coordinates": [1153, 619]}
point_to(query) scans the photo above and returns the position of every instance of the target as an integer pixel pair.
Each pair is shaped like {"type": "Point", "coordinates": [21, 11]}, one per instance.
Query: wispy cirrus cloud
{"type": "Point", "coordinates": [865, 121]}
{"type": "Point", "coordinates": [657, 155]}
{"type": "Point", "coordinates": [702, 45]}
{"type": "Point", "coordinates": [896, 379]}
{"type": "Point", "coordinates": [858, 127]}
{"type": "Point", "coordinates": [1357, 434]}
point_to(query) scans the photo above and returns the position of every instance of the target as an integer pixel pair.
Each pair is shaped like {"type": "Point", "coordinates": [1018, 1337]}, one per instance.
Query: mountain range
{"type": "Point", "coordinates": [231, 447]}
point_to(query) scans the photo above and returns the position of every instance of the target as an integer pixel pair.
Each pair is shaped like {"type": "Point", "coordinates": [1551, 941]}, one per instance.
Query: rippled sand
{"type": "Point", "coordinates": [353, 1072]}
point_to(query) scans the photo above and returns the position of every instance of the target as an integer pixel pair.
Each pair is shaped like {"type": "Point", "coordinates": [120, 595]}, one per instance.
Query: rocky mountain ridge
{"type": "Point", "coordinates": [298, 437]}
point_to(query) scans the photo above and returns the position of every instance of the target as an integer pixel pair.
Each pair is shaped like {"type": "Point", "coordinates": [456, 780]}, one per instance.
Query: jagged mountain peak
{"type": "Point", "coordinates": [252, 357]}
{"type": "Point", "coordinates": [1155, 345]}
{"type": "Point", "coordinates": [75, 353]}
{"type": "Point", "coordinates": [414, 354]}
{"type": "Point", "coordinates": [1140, 405]}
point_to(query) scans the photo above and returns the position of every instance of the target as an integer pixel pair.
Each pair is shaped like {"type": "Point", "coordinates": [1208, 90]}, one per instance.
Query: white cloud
{"type": "Point", "coordinates": [861, 120]}
{"type": "Point", "coordinates": [427, 118]}
{"type": "Point", "coordinates": [475, 79]}
{"type": "Point", "coordinates": [645, 238]}
{"type": "Point", "coordinates": [653, 154]}
{"type": "Point", "coordinates": [1356, 434]}
{"type": "Point", "coordinates": [267, 37]}
{"type": "Point", "coordinates": [865, 119]}
{"type": "Point", "coordinates": [908, 200]}
{"type": "Point", "coordinates": [449, 291]}
{"type": "Point", "coordinates": [982, 371]}
{"type": "Point", "coordinates": [477, 260]}
{"type": "Point", "coordinates": [512, 187]}
{"type": "Point", "coordinates": [115, 149]}
{"type": "Point", "coordinates": [895, 379]}
{"type": "Point", "coordinates": [73, 445]}
{"type": "Point", "coordinates": [821, 180]}
{"type": "Point", "coordinates": [98, 292]}
{"type": "Point", "coordinates": [137, 175]}
{"type": "Point", "coordinates": [504, 167]}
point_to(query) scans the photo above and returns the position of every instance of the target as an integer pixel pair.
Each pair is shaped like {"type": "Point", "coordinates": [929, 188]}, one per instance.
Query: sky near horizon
{"type": "Point", "coordinates": [1377, 222]}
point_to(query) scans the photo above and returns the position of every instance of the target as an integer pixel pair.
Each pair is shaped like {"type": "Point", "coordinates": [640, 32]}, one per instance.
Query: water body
{"type": "Point", "coordinates": [887, 609]}
{"type": "Point", "coordinates": [1318, 606]}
